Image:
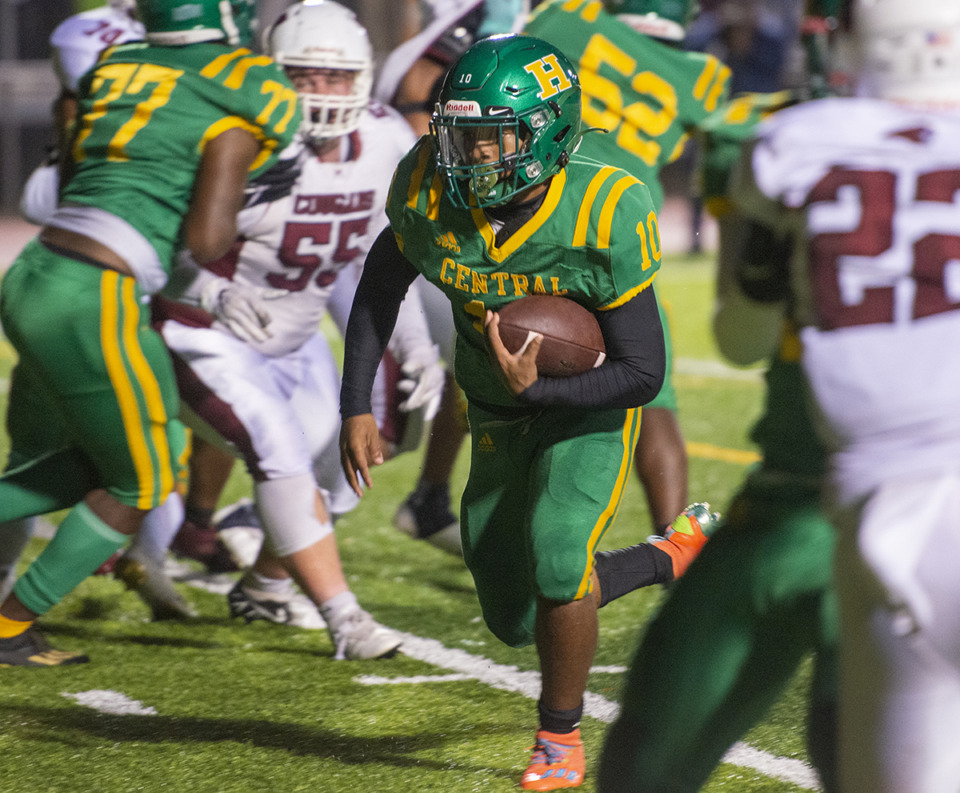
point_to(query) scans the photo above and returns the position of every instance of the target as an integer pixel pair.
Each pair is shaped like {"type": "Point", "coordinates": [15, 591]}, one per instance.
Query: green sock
{"type": "Point", "coordinates": [82, 543]}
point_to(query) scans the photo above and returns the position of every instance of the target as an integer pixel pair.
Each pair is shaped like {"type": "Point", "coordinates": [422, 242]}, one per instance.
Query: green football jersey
{"type": "Point", "coordinates": [648, 95]}
{"type": "Point", "coordinates": [146, 113]}
{"type": "Point", "coordinates": [594, 240]}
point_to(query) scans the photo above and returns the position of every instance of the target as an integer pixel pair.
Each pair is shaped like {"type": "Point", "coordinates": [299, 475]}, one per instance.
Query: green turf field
{"type": "Point", "coordinates": [216, 705]}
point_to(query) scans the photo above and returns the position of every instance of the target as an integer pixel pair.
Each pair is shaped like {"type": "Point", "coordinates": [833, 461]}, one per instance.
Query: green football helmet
{"type": "Point", "coordinates": [178, 22]}
{"type": "Point", "coordinates": [662, 19]}
{"type": "Point", "coordinates": [508, 118]}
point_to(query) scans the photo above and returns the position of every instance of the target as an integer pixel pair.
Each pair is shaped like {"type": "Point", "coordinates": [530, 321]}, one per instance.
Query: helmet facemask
{"type": "Point", "coordinates": [324, 38]}
{"type": "Point", "coordinates": [487, 160]}
{"type": "Point", "coordinates": [331, 113]}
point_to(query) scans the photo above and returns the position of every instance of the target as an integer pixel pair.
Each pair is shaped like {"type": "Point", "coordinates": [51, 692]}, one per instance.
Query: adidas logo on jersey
{"type": "Point", "coordinates": [447, 241]}
{"type": "Point", "coordinates": [486, 444]}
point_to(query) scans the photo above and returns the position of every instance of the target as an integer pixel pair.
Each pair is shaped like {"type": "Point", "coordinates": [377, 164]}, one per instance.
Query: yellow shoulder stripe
{"type": "Point", "coordinates": [609, 206]}
{"type": "Point", "coordinates": [711, 83]}
{"type": "Point", "coordinates": [414, 188]}
{"type": "Point", "coordinates": [230, 122]}
{"type": "Point", "coordinates": [416, 178]}
{"type": "Point", "coordinates": [583, 216]}
{"type": "Point", "coordinates": [433, 197]}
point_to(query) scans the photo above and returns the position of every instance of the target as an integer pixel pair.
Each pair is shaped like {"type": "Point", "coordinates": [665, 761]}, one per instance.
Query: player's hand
{"type": "Point", "coordinates": [240, 307]}
{"type": "Point", "coordinates": [359, 449]}
{"type": "Point", "coordinates": [423, 380]}
{"type": "Point", "coordinates": [519, 369]}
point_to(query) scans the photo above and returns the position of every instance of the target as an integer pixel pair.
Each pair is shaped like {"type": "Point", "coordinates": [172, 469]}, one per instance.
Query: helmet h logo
{"type": "Point", "coordinates": [548, 73]}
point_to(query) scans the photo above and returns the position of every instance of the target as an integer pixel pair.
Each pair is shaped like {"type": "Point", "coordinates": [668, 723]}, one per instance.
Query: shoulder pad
{"type": "Point", "coordinates": [273, 184]}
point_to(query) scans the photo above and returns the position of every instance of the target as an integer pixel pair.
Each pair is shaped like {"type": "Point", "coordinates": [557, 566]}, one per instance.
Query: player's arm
{"type": "Point", "coordinates": [386, 277]}
{"type": "Point", "coordinates": [752, 273]}
{"type": "Point", "coordinates": [635, 365]}
{"type": "Point", "coordinates": [632, 372]}
{"type": "Point", "coordinates": [751, 282]}
{"type": "Point", "coordinates": [410, 344]}
{"type": "Point", "coordinates": [41, 191]}
{"type": "Point", "coordinates": [210, 229]}
{"type": "Point", "coordinates": [210, 225]}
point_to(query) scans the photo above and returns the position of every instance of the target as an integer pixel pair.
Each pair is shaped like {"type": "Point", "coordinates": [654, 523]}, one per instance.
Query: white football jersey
{"type": "Point", "coordinates": [872, 191]}
{"type": "Point", "coordinates": [302, 241]}
{"type": "Point", "coordinates": [78, 41]}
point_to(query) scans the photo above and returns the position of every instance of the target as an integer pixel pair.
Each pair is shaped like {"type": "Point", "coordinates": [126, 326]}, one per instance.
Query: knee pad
{"type": "Point", "coordinates": [287, 509]}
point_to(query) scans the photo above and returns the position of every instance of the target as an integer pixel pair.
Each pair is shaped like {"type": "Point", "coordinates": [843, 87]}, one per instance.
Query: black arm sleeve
{"type": "Point", "coordinates": [633, 371]}
{"type": "Point", "coordinates": [386, 276]}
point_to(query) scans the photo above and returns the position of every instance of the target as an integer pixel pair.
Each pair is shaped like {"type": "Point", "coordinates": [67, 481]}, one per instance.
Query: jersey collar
{"type": "Point", "coordinates": [522, 234]}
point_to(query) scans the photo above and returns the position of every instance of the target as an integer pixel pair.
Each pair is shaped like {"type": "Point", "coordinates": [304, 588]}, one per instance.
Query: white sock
{"type": "Point", "coordinates": [158, 529]}
{"type": "Point", "coordinates": [273, 586]}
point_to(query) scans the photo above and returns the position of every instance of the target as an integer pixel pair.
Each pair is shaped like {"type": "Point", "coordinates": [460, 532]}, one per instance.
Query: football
{"type": "Point", "coordinates": [572, 341]}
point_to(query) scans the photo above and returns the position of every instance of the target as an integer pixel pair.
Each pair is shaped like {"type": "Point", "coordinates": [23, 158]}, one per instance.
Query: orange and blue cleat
{"type": "Point", "coordinates": [557, 762]}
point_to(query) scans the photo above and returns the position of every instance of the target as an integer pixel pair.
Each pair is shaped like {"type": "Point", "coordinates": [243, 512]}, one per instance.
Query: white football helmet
{"type": "Point", "coordinates": [321, 34]}
{"type": "Point", "coordinates": [909, 50]}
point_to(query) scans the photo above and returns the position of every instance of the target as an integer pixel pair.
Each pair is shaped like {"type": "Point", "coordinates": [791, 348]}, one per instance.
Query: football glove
{"type": "Point", "coordinates": [422, 378]}
{"type": "Point", "coordinates": [240, 307]}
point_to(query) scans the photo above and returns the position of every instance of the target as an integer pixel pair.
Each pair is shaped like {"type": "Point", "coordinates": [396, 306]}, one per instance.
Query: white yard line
{"type": "Point", "coordinates": [509, 678]}
{"type": "Point", "coordinates": [112, 702]}
{"type": "Point", "coordinates": [715, 369]}
{"type": "Point", "coordinates": [466, 666]}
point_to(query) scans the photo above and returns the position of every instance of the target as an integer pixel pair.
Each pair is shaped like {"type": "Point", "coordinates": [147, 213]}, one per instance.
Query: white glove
{"type": "Point", "coordinates": [240, 307]}
{"type": "Point", "coordinates": [423, 380]}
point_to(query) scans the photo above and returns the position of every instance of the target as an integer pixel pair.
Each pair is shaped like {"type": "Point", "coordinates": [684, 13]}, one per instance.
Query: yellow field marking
{"type": "Point", "coordinates": [707, 451]}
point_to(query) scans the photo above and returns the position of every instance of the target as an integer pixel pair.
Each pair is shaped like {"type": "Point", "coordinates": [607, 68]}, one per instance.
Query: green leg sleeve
{"type": "Point", "coordinates": [45, 484]}
{"type": "Point", "coordinates": [82, 543]}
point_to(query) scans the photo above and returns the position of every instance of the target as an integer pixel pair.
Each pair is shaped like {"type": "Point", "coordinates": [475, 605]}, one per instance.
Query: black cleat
{"type": "Point", "coordinates": [427, 516]}
{"type": "Point", "coordinates": [31, 649]}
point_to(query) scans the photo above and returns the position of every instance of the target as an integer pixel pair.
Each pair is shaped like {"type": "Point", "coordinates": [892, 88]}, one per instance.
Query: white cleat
{"type": "Point", "coordinates": [357, 636]}
{"type": "Point", "coordinates": [151, 582]}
